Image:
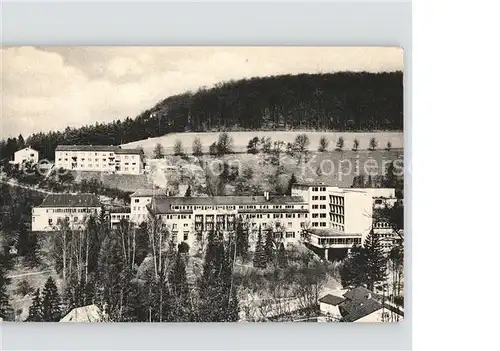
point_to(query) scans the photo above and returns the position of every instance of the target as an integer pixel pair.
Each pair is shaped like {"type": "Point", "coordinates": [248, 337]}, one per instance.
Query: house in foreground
{"type": "Point", "coordinates": [362, 305]}
{"type": "Point", "coordinates": [329, 305]}
{"type": "Point", "coordinates": [57, 208]}
{"type": "Point", "coordinates": [85, 314]}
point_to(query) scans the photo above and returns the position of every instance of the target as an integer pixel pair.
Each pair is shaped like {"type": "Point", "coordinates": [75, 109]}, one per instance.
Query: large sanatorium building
{"type": "Point", "coordinates": [327, 217]}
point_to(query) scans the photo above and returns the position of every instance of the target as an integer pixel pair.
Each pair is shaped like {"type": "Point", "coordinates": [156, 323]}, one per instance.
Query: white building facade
{"type": "Point", "coordinates": [190, 219]}
{"type": "Point", "coordinates": [25, 155]}
{"type": "Point", "coordinates": [343, 217]}
{"type": "Point", "coordinates": [326, 217]}
{"type": "Point", "coordinates": [99, 158]}
{"type": "Point", "coordinates": [59, 208]}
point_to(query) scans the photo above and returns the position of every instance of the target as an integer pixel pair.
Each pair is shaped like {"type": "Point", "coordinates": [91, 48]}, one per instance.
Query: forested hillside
{"type": "Point", "coordinates": [333, 101]}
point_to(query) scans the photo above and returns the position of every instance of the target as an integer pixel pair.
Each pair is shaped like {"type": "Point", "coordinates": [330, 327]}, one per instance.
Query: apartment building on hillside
{"type": "Point", "coordinates": [57, 208]}
{"type": "Point", "coordinates": [99, 158]}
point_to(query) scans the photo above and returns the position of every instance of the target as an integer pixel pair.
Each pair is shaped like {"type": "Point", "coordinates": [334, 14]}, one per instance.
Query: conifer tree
{"type": "Point", "coordinates": [136, 309]}
{"type": "Point", "coordinates": [354, 270]}
{"type": "Point", "coordinates": [282, 258]}
{"type": "Point", "coordinates": [269, 246]}
{"type": "Point", "coordinates": [376, 261]}
{"type": "Point", "coordinates": [22, 243]}
{"type": "Point", "coordinates": [179, 290]}
{"type": "Point", "coordinates": [51, 302]}
{"type": "Point", "coordinates": [6, 311]}
{"type": "Point", "coordinates": [369, 182]}
{"type": "Point", "coordinates": [293, 180]}
{"type": "Point", "coordinates": [260, 258]}
{"type": "Point", "coordinates": [233, 309]}
{"type": "Point", "coordinates": [188, 191]}
{"type": "Point", "coordinates": [216, 283]}
{"type": "Point", "coordinates": [32, 253]}
{"type": "Point", "coordinates": [241, 240]}
{"type": "Point", "coordinates": [35, 311]}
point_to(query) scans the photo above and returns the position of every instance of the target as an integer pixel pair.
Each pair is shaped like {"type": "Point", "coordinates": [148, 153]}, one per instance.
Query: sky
{"type": "Point", "coordinates": [50, 88]}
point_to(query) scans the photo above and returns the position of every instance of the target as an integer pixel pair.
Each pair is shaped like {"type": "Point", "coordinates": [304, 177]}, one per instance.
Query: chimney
{"type": "Point", "coordinates": [266, 195]}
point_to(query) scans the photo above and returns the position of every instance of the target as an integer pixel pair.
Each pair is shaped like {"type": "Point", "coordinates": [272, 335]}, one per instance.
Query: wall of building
{"type": "Point", "coordinates": [331, 310]}
{"type": "Point", "coordinates": [48, 219]}
{"type": "Point", "coordinates": [26, 154]}
{"type": "Point", "coordinates": [358, 213]}
{"type": "Point", "coordinates": [99, 161]}
{"type": "Point", "coordinates": [204, 219]}
{"type": "Point", "coordinates": [374, 317]}
{"type": "Point", "coordinates": [138, 211]}
{"type": "Point", "coordinates": [128, 164]}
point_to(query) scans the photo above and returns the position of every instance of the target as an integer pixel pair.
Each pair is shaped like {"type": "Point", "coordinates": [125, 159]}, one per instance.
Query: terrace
{"type": "Point", "coordinates": [332, 238]}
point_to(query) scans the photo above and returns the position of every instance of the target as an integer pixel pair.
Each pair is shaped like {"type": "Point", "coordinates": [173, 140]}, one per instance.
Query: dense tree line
{"type": "Point", "coordinates": [332, 101]}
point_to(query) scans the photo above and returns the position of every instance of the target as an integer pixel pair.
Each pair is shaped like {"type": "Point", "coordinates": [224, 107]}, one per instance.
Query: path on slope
{"type": "Point", "coordinates": [19, 185]}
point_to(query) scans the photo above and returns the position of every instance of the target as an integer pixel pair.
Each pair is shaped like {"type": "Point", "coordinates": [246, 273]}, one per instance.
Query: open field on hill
{"type": "Point", "coordinates": [240, 140]}
{"type": "Point", "coordinates": [338, 168]}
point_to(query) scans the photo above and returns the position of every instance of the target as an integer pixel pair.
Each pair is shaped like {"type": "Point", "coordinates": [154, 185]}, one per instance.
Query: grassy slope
{"type": "Point", "coordinates": [125, 182]}
{"type": "Point", "coordinates": [340, 161]}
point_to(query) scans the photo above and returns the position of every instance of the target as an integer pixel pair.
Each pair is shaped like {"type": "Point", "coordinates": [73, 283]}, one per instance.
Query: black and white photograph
{"type": "Point", "coordinates": [202, 184]}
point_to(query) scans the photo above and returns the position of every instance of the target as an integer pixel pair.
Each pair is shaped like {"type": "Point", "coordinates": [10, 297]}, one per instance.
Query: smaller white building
{"type": "Point", "coordinates": [329, 305]}
{"type": "Point", "coordinates": [138, 202]}
{"type": "Point", "coordinates": [58, 208]}
{"type": "Point", "coordinates": [25, 155]}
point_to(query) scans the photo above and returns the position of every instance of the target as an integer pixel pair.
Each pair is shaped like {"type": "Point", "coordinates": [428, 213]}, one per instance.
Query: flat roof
{"type": "Point", "coordinates": [105, 148]}
{"type": "Point", "coordinates": [162, 204]}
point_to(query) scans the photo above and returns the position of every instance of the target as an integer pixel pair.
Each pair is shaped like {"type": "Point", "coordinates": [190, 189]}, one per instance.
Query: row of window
{"type": "Point", "coordinates": [338, 226]}
{"type": "Point", "coordinates": [321, 207]}
{"type": "Point", "coordinates": [337, 218]}
{"type": "Point", "coordinates": [336, 200]}
{"type": "Point", "coordinates": [337, 209]}
{"type": "Point", "coordinates": [120, 216]}
{"type": "Point", "coordinates": [339, 241]}
{"type": "Point", "coordinates": [71, 210]}
{"type": "Point", "coordinates": [319, 224]}
{"type": "Point", "coordinates": [321, 198]}
{"type": "Point", "coordinates": [319, 215]}
{"type": "Point", "coordinates": [381, 225]}
{"type": "Point", "coordinates": [95, 163]}
{"type": "Point", "coordinates": [229, 207]}
{"type": "Point", "coordinates": [319, 189]}
{"type": "Point", "coordinates": [59, 220]}
{"type": "Point", "coordinates": [82, 153]}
